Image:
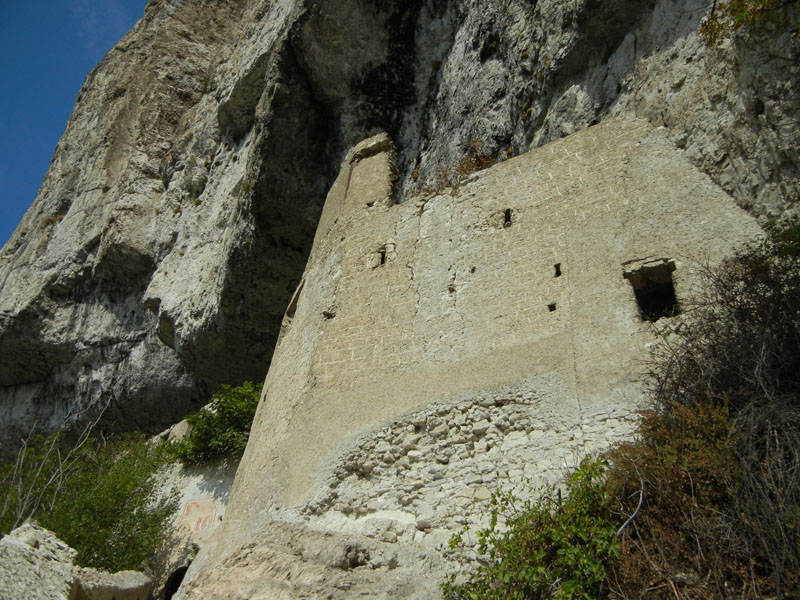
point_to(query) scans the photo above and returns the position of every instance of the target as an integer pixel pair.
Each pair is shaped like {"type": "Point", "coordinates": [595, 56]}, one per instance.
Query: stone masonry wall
{"type": "Point", "coordinates": [437, 469]}
{"type": "Point", "coordinates": [483, 338]}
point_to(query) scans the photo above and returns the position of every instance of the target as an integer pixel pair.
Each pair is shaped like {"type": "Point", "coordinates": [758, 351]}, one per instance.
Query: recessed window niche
{"type": "Point", "coordinates": [651, 280]}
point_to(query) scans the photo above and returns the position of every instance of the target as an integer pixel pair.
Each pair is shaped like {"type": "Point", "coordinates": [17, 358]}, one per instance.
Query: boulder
{"type": "Point", "coordinates": [36, 565]}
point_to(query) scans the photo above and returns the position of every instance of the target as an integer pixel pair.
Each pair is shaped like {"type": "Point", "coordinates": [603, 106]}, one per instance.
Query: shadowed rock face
{"type": "Point", "coordinates": [180, 204]}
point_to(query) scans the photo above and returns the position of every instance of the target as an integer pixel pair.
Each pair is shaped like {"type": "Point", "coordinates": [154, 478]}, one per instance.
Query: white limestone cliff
{"type": "Point", "coordinates": [180, 204]}
{"type": "Point", "coordinates": [436, 346]}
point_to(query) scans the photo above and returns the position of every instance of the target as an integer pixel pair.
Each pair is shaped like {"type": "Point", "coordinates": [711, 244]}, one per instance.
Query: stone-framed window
{"type": "Point", "coordinates": [653, 288]}
{"type": "Point", "coordinates": [382, 255]}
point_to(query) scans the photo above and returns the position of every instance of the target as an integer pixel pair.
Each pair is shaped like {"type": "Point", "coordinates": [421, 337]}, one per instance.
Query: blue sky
{"type": "Point", "coordinates": [47, 47]}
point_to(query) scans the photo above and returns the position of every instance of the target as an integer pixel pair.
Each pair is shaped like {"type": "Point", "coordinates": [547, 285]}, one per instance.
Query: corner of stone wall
{"type": "Point", "coordinates": [366, 179]}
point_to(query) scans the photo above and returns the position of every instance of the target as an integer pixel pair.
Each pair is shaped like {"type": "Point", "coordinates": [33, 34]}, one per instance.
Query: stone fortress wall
{"type": "Point", "coordinates": [490, 336]}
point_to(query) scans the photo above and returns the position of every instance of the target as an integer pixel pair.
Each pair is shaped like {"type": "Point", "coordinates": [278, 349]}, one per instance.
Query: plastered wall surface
{"type": "Point", "coordinates": [484, 337]}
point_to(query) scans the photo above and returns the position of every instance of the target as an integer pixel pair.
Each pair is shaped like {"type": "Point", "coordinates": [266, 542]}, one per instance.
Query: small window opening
{"type": "Point", "coordinates": [551, 307]}
{"type": "Point", "coordinates": [654, 289]}
{"type": "Point", "coordinates": [557, 268]}
{"type": "Point", "coordinates": [381, 255]}
{"type": "Point", "coordinates": [507, 218]}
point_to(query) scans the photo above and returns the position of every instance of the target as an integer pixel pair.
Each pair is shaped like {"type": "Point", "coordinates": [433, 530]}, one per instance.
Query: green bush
{"type": "Point", "coordinates": [223, 427]}
{"type": "Point", "coordinates": [551, 548]}
{"type": "Point", "coordinates": [721, 453]}
{"type": "Point", "coordinates": [98, 496]}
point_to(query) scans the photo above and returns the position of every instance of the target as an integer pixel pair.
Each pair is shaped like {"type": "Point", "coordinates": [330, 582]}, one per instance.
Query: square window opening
{"type": "Point", "coordinates": [654, 289]}
{"type": "Point", "coordinates": [381, 256]}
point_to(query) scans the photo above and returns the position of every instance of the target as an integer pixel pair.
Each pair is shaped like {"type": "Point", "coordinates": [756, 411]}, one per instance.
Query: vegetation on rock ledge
{"type": "Point", "coordinates": [103, 496]}
{"type": "Point", "coordinates": [223, 427]}
{"type": "Point", "coordinates": [752, 17]}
